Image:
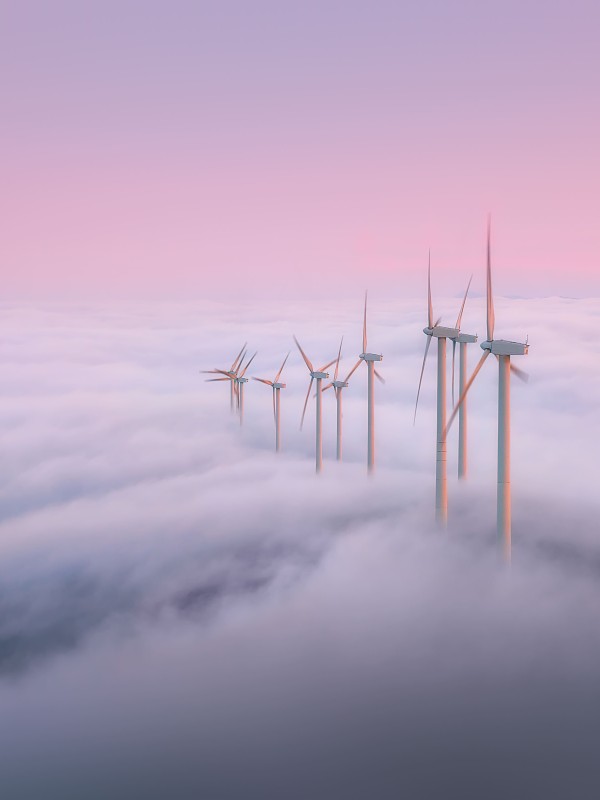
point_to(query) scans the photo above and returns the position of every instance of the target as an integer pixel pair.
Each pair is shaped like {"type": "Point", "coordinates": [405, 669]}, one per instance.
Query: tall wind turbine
{"type": "Point", "coordinates": [239, 382]}
{"type": "Point", "coordinates": [229, 374]}
{"type": "Point", "coordinates": [369, 359]}
{"type": "Point", "coordinates": [503, 350]}
{"type": "Point", "coordinates": [276, 386]}
{"type": "Point", "coordinates": [441, 333]}
{"type": "Point", "coordinates": [315, 375]}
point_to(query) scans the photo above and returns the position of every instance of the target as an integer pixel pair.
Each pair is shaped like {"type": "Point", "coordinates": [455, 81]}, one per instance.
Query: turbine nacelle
{"type": "Point", "coordinates": [241, 380]}
{"type": "Point", "coordinates": [440, 332]}
{"type": "Point", "coordinates": [319, 375]}
{"type": "Point", "coordinates": [465, 338]}
{"type": "Point", "coordinates": [279, 385]}
{"type": "Point", "coordinates": [501, 347]}
{"type": "Point", "coordinates": [370, 357]}
{"type": "Point", "coordinates": [339, 384]}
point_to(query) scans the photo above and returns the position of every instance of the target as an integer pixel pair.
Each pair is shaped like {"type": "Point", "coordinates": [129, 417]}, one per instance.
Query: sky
{"type": "Point", "coordinates": [186, 614]}
{"type": "Point", "coordinates": [210, 150]}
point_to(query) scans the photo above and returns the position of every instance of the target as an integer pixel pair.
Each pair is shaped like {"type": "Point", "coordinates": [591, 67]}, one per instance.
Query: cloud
{"type": "Point", "coordinates": [186, 614]}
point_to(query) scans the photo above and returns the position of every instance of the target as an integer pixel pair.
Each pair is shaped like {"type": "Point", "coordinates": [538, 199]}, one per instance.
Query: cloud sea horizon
{"type": "Point", "coordinates": [187, 615]}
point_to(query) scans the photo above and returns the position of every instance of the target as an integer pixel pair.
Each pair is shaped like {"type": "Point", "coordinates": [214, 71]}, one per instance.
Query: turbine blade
{"type": "Point", "coordinates": [281, 369]}
{"type": "Point", "coordinates": [337, 363]}
{"type": "Point", "coordinates": [264, 380]}
{"type": "Point", "coordinates": [491, 318]}
{"type": "Point", "coordinates": [453, 362]}
{"type": "Point", "coordinates": [365, 327]}
{"type": "Point", "coordinates": [329, 385]}
{"type": "Point", "coordinates": [243, 372]}
{"type": "Point", "coordinates": [468, 385]}
{"type": "Point", "coordinates": [239, 356]}
{"type": "Point", "coordinates": [221, 372]}
{"type": "Point", "coordinates": [462, 308]}
{"type": "Point", "coordinates": [353, 370]}
{"type": "Point", "coordinates": [427, 346]}
{"type": "Point", "coordinates": [519, 373]}
{"type": "Point", "coordinates": [325, 366]}
{"type": "Point", "coordinates": [304, 356]}
{"type": "Point", "coordinates": [379, 377]}
{"type": "Point", "coordinates": [429, 303]}
{"type": "Point", "coordinates": [239, 363]}
{"type": "Point", "coordinates": [212, 380]}
{"type": "Point", "coordinates": [306, 402]}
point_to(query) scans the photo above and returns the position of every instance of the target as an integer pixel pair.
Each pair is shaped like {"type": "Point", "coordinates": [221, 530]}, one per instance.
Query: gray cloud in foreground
{"type": "Point", "coordinates": [183, 615]}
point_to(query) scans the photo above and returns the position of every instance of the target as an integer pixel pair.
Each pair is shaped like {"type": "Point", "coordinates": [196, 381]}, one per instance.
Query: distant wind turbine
{"type": "Point", "coordinates": [318, 376]}
{"type": "Point", "coordinates": [441, 333]}
{"type": "Point", "coordinates": [369, 359]}
{"type": "Point", "coordinates": [463, 339]}
{"type": "Point", "coordinates": [230, 375]}
{"type": "Point", "coordinates": [503, 350]}
{"type": "Point", "coordinates": [337, 388]}
{"type": "Point", "coordinates": [239, 382]}
{"type": "Point", "coordinates": [276, 386]}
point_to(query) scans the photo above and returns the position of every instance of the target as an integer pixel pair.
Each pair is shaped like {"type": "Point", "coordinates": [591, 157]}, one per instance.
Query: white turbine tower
{"type": "Point", "coordinates": [239, 382]}
{"type": "Point", "coordinates": [276, 386]}
{"type": "Point", "coordinates": [503, 350]}
{"type": "Point", "coordinates": [315, 375]}
{"type": "Point", "coordinates": [369, 359]}
{"type": "Point", "coordinates": [463, 339]}
{"type": "Point", "coordinates": [229, 374]}
{"type": "Point", "coordinates": [337, 388]}
{"type": "Point", "coordinates": [441, 333]}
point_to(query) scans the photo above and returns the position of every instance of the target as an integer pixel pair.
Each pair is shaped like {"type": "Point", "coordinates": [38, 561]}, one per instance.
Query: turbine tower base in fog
{"type": "Point", "coordinates": [319, 437]}
{"type": "Point", "coordinates": [338, 453]}
{"type": "Point", "coordinates": [277, 420]}
{"type": "Point", "coordinates": [504, 510]}
{"type": "Point", "coordinates": [441, 482]}
{"type": "Point", "coordinates": [462, 414]}
{"type": "Point", "coordinates": [371, 419]}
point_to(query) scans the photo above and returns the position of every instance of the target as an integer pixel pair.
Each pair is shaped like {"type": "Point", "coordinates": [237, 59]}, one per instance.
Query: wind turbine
{"type": "Point", "coordinates": [463, 339]}
{"type": "Point", "coordinates": [337, 388]}
{"type": "Point", "coordinates": [503, 350]}
{"type": "Point", "coordinates": [229, 374]}
{"type": "Point", "coordinates": [315, 375]}
{"type": "Point", "coordinates": [276, 386]}
{"type": "Point", "coordinates": [239, 382]}
{"type": "Point", "coordinates": [441, 333]}
{"type": "Point", "coordinates": [369, 359]}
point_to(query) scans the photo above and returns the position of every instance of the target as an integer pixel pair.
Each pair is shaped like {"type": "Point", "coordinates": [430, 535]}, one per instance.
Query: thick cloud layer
{"type": "Point", "coordinates": [184, 614]}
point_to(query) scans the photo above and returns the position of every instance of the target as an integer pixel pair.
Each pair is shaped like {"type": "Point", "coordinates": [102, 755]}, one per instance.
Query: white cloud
{"type": "Point", "coordinates": [184, 606]}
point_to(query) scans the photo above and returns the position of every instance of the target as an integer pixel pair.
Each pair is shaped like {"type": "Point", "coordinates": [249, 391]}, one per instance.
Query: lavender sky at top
{"type": "Point", "coordinates": [186, 148]}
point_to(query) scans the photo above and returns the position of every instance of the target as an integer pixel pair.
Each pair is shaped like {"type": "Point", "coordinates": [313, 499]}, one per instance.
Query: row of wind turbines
{"type": "Point", "coordinates": [502, 349]}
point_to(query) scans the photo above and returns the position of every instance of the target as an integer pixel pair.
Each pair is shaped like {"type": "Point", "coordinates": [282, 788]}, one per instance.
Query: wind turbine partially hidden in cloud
{"type": "Point", "coordinates": [369, 359]}
{"type": "Point", "coordinates": [463, 339]}
{"type": "Point", "coordinates": [441, 333]}
{"type": "Point", "coordinates": [239, 382]}
{"type": "Point", "coordinates": [229, 374]}
{"type": "Point", "coordinates": [276, 386]}
{"type": "Point", "coordinates": [315, 375]}
{"type": "Point", "coordinates": [503, 350]}
{"type": "Point", "coordinates": [337, 388]}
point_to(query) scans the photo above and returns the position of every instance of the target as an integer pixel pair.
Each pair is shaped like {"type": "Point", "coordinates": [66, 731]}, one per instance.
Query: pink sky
{"type": "Point", "coordinates": [189, 149]}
